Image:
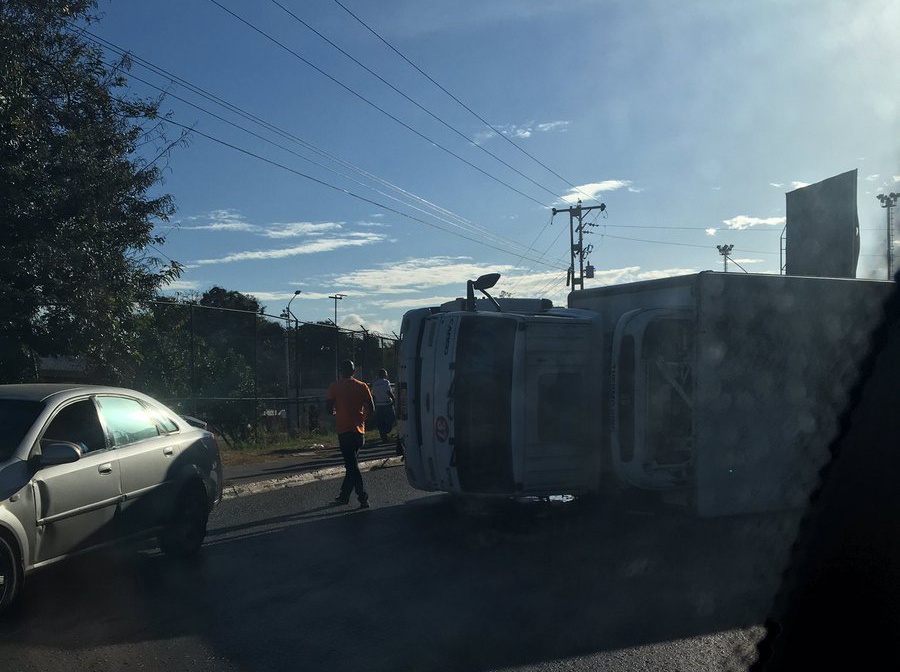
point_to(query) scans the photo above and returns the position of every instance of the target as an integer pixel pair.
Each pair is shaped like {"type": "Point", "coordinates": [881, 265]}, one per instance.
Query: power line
{"type": "Point", "coordinates": [413, 101]}
{"type": "Point", "coordinates": [316, 163]}
{"type": "Point", "coordinates": [666, 242]}
{"type": "Point", "coordinates": [175, 79]}
{"type": "Point", "coordinates": [335, 188]}
{"type": "Point", "coordinates": [461, 103]}
{"type": "Point", "coordinates": [373, 105]}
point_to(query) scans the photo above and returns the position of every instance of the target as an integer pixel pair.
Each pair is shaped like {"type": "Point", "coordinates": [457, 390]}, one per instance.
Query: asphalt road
{"type": "Point", "coordinates": [288, 582]}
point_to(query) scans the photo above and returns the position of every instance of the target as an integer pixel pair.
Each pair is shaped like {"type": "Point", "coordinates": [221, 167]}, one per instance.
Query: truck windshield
{"type": "Point", "coordinates": [16, 417]}
{"type": "Point", "coordinates": [483, 384]}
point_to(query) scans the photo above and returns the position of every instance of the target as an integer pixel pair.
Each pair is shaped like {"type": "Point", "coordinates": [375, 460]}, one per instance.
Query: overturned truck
{"type": "Point", "coordinates": [719, 390]}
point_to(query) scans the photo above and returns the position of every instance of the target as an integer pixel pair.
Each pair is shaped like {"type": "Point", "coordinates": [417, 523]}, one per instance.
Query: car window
{"type": "Point", "coordinates": [77, 423]}
{"type": "Point", "coordinates": [162, 419]}
{"type": "Point", "coordinates": [128, 420]}
{"type": "Point", "coordinates": [16, 417]}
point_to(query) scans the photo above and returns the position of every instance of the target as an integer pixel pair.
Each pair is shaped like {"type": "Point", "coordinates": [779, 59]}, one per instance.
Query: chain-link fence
{"type": "Point", "coordinates": [251, 375]}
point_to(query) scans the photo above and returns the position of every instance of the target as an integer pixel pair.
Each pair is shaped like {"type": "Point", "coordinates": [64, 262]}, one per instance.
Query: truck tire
{"type": "Point", "coordinates": [10, 573]}
{"type": "Point", "coordinates": [186, 530]}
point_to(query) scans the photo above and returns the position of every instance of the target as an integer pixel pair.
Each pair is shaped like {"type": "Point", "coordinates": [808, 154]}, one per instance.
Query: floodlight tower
{"type": "Point", "coordinates": [725, 251]}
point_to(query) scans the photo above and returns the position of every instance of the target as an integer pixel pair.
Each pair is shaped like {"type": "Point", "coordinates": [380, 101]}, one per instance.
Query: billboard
{"type": "Point", "coordinates": [822, 229]}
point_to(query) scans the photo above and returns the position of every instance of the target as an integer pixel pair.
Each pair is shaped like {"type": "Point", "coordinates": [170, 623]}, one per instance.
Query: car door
{"type": "Point", "coordinates": [147, 451]}
{"type": "Point", "coordinates": [76, 503]}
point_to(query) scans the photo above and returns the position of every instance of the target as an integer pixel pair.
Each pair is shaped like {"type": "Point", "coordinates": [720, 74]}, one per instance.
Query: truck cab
{"type": "Point", "coordinates": [500, 400]}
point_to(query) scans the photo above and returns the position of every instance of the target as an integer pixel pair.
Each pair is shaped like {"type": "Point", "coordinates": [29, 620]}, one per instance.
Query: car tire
{"type": "Point", "coordinates": [10, 574]}
{"type": "Point", "coordinates": [186, 530]}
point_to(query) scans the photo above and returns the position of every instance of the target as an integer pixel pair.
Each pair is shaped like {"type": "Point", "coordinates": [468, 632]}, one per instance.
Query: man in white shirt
{"type": "Point", "coordinates": [384, 405]}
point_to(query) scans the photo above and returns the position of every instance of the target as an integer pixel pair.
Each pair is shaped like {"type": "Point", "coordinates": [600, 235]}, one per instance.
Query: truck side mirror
{"type": "Point", "coordinates": [486, 281]}
{"type": "Point", "coordinates": [482, 283]}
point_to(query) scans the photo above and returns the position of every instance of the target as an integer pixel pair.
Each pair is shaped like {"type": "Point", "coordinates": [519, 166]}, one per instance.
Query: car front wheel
{"type": "Point", "coordinates": [186, 530]}
{"type": "Point", "coordinates": [10, 574]}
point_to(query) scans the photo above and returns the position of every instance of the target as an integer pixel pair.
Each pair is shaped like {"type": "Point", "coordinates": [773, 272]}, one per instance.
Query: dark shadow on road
{"type": "Point", "coordinates": [421, 587]}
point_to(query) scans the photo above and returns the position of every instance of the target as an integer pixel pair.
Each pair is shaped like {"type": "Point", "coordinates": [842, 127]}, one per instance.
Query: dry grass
{"type": "Point", "coordinates": [251, 453]}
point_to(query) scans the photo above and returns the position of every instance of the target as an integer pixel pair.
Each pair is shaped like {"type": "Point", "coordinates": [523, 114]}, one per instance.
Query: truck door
{"type": "Point", "coordinates": [653, 397]}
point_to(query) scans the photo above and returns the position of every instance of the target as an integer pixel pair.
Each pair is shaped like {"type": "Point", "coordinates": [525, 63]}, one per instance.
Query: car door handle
{"type": "Point", "coordinates": [105, 468]}
{"type": "Point", "coordinates": [168, 451]}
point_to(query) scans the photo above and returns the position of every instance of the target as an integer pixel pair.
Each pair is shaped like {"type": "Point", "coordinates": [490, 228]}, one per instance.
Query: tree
{"type": "Point", "coordinates": [76, 217]}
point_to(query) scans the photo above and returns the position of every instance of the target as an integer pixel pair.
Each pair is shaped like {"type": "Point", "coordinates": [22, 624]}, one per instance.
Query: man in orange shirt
{"type": "Point", "coordinates": [350, 402]}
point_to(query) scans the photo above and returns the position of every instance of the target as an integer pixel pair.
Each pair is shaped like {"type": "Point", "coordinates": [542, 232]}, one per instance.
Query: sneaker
{"type": "Point", "coordinates": [364, 504]}
{"type": "Point", "coordinates": [341, 500]}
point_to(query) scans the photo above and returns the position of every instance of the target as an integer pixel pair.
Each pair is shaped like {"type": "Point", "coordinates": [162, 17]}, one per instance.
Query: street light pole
{"type": "Point", "coordinates": [288, 316]}
{"type": "Point", "coordinates": [337, 332]}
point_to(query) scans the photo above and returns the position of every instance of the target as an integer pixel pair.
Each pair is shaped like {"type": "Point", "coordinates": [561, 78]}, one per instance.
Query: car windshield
{"type": "Point", "coordinates": [16, 417]}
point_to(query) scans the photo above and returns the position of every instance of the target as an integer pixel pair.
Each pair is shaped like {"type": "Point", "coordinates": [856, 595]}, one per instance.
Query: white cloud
{"type": "Point", "coordinates": [776, 184]}
{"type": "Point", "coordinates": [748, 261]}
{"type": "Point", "coordinates": [896, 178]}
{"type": "Point", "coordinates": [872, 178]}
{"type": "Point", "coordinates": [799, 185]}
{"type": "Point", "coordinates": [415, 274]}
{"type": "Point", "coordinates": [271, 296]}
{"type": "Point", "coordinates": [231, 220]}
{"type": "Point", "coordinates": [522, 131]}
{"type": "Point", "coordinates": [225, 226]}
{"type": "Point", "coordinates": [182, 285]}
{"type": "Point", "coordinates": [526, 130]}
{"type": "Point", "coordinates": [592, 190]}
{"type": "Point", "coordinates": [561, 126]}
{"type": "Point", "coordinates": [313, 247]}
{"type": "Point", "coordinates": [295, 229]}
{"type": "Point", "coordinates": [711, 232]}
{"type": "Point", "coordinates": [745, 222]}
{"type": "Point", "coordinates": [411, 303]}
{"type": "Point", "coordinates": [617, 276]}
{"type": "Point", "coordinates": [381, 327]}
{"type": "Point", "coordinates": [222, 220]}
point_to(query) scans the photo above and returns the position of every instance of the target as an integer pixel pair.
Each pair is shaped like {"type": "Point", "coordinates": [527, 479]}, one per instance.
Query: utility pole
{"type": "Point", "coordinates": [725, 251]}
{"type": "Point", "coordinates": [578, 249]}
{"type": "Point", "coordinates": [337, 334]}
{"type": "Point", "coordinates": [888, 202]}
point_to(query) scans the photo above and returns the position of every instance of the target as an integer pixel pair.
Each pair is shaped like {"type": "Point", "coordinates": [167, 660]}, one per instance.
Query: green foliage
{"type": "Point", "coordinates": [76, 214]}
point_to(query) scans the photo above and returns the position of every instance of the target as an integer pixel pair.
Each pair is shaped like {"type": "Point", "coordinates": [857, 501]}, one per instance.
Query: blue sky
{"type": "Point", "coordinates": [690, 120]}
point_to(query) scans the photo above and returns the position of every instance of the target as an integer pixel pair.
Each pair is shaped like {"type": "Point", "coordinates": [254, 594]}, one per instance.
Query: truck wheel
{"type": "Point", "coordinates": [10, 574]}
{"type": "Point", "coordinates": [186, 530]}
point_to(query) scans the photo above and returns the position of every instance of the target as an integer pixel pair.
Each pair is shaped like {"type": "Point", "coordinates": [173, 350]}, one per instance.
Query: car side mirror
{"type": "Point", "coordinates": [59, 453]}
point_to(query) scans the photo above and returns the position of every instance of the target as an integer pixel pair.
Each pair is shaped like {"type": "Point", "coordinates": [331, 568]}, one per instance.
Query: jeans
{"type": "Point", "coordinates": [350, 443]}
{"type": "Point", "coordinates": [384, 417]}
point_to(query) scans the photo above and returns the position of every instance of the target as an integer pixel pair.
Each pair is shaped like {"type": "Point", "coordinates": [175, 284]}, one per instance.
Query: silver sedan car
{"type": "Point", "coordinates": [83, 467]}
